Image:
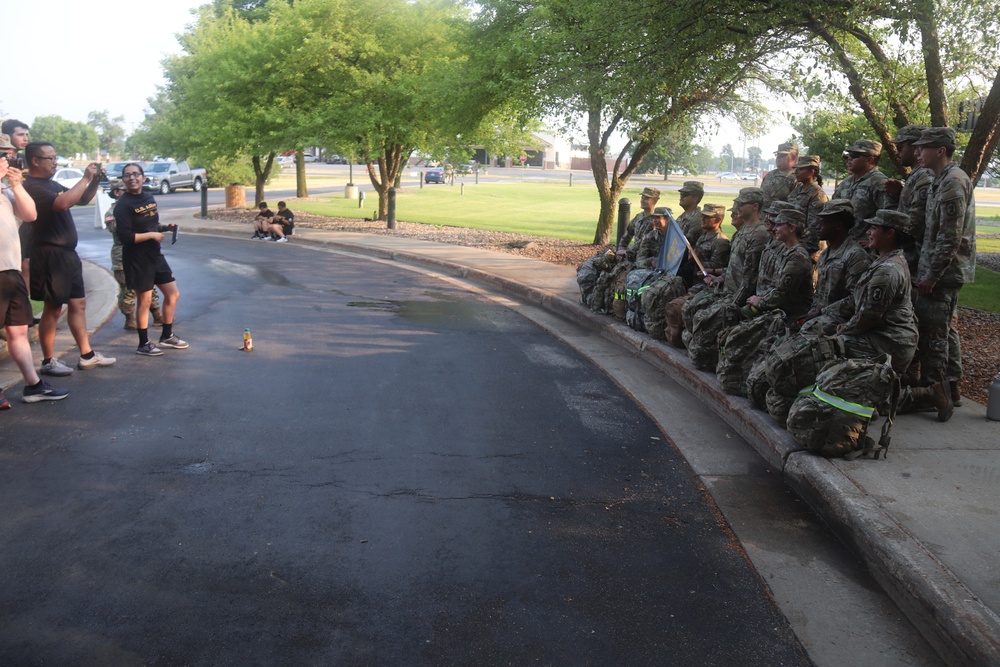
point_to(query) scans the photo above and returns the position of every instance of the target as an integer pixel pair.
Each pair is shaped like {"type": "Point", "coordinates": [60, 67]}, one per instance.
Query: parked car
{"type": "Point", "coordinates": [467, 168]}
{"type": "Point", "coordinates": [435, 175]}
{"type": "Point", "coordinates": [67, 176]}
{"type": "Point", "coordinates": [749, 175]}
{"type": "Point", "coordinates": [63, 161]}
{"type": "Point", "coordinates": [286, 161]}
{"type": "Point", "coordinates": [335, 159]}
{"type": "Point", "coordinates": [308, 157]}
{"type": "Point", "coordinates": [166, 176]}
{"type": "Point", "coordinates": [729, 175]}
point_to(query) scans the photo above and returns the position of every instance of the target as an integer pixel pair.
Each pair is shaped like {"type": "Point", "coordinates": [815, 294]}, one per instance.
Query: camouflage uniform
{"type": "Point", "coordinates": [839, 271]}
{"type": "Point", "coordinates": [742, 282]}
{"type": "Point", "coordinates": [767, 273]}
{"type": "Point", "coordinates": [810, 199]}
{"type": "Point", "coordinates": [126, 297]}
{"type": "Point", "coordinates": [948, 255]}
{"type": "Point", "coordinates": [913, 202]}
{"type": "Point", "coordinates": [867, 191]}
{"type": "Point", "coordinates": [879, 314]}
{"type": "Point", "coordinates": [777, 185]}
{"type": "Point", "coordinates": [648, 249]}
{"type": "Point", "coordinates": [712, 249]}
{"type": "Point", "coordinates": [791, 289]}
{"type": "Point", "coordinates": [690, 224]}
{"type": "Point", "coordinates": [635, 229]}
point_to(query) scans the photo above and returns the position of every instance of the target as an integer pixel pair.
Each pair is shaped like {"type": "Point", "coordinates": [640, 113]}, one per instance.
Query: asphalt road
{"type": "Point", "coordinates": [399, 474]}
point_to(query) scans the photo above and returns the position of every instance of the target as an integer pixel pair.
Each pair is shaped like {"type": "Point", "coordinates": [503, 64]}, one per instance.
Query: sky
{"type": "Point", "coordinates": [63, 79]}
{"type": "Point", "coordinates": [128, 45]}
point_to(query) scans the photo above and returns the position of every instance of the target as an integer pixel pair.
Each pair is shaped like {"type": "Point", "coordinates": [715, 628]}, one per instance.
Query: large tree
{"type": "Point", "coordinates": [68, 137]}
{"type": "Point", "coordinates": [903, 62]}
{"type": "Point", "coordinates": [635, 70]}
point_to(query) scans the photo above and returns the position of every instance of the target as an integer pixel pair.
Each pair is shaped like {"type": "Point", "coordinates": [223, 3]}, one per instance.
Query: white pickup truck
{"type": "Point", "coordinates": [167, 175]}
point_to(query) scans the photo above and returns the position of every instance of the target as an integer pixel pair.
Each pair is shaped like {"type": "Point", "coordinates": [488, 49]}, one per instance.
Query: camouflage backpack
{"type": "Point", "coordinates": [756, 386]}
{"type": "Point", "coordinates": [587, 273]}
{"type": "Point", "coordinates": [795, 362]}
{"type": "Point", "coordinates": [831, 418]}
{"type": "Point", "coordinates": [673, 321]}
{"type": "Point", "coordinates": [617, 299]}
{"type": "Point", "coordinates": [739, 348]}
{"type": "Point", "coordinates": [777, 405]}
{"type": "Point", "coordinates": [703, 344]}
{"type": "Point", "coordinates": [664, 288]}
{"type": "Point", "coordinates": [637, 283]}
{"type": "Point", "coordinates": [700, 300]}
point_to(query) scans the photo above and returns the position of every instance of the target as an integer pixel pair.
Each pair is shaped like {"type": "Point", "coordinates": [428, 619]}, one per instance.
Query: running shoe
{"type": "Point", "coordinates": [4, 403]}
{"type": "Point", "coordinates": [281, 240]}
{"type": "Point", "coordinates": [43, 392]}
{"type": "Point", "coordinates": [56, 368]}
{"type": "Point", "coordinates": [97, 360]}
{"type": "Point", "coordinates": [149, 350]}
{"type": "Point", "coordinates": [173, 342]}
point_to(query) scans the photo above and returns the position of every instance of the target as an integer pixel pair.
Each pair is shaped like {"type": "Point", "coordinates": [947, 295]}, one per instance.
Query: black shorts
{"type": "Point", "coordinates": [15, 308]}
{"type": "Point", "coordinates": [27, 234]}
{"type": "Point", "coordinates": [143, 273]}
{"type": "Point", "coordinates": [56, 275]}
{"type": "Point", "coordinates": [287, 229]}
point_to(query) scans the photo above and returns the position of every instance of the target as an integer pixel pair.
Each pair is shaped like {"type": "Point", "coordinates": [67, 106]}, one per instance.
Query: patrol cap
{"type": "Point", "coordinates": [794, 217]}
{"type": "Point", "coordinates": [887, 217]}
{"type": "Point", "coordinates": [777, 206]}
{"type": "Point", "coordinates": [662, 210]}
{"type": "Point", "coordinates": [116, 184]}
{"type": "Point", "coordinates": [787, 148]}
{"type": "Point", "coordinates": [866, 147]}
{"type": "Point", "coordinates": [696, 187]}
{"type": "Point", "coordinates": [5, 144]}
{"type": "Point", "coordinates": [841, 209]}
{"type": "Point", "coordinates": [808, 161]}
{"type": "Point", "coordinates": [937, 136]}
{"type": "Point", "coordinates": [652, 193]}
{"type": "Point", "coordinates": [713, 211]}
{"type": "Point", "coordinates": [908, 134]}
{"type": "Point", "coordinates": [751, 196]}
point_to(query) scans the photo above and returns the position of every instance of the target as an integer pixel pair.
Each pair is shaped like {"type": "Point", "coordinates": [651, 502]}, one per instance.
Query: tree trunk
{"type": "Point", "coordinates": [985, 137]}
{"type": "Point", "coordinates": [301, 189]}
{"type": "Point", "coordinates": [389, 165]}
{"type": "Point", "coordinates": [930, 45]}
{"type": "Point", "coordinates": [261, 174]}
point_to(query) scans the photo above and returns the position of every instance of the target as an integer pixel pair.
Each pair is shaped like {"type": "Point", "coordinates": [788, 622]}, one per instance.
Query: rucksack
{"type": "Point", "coordinates": [777, 405]}
{"type": "Point", "coordinates": [637, 283]}
{"type": "Point", "coordinates": [703, 344]}
{"type": "Point", "coordinates": [618, 298]}
{"type": "Point", "coordinates": [831, 418]}
{"type": "Point", "coordinates": [796, 361]}
{"type": "Point", "coordinates": [700, 300]}
{"type": "Point", "coordinates": [665, 287]}
{"type": "Point", "coordinates": [756, 385]}
{"type": "Point", "coordinates": [739, 348]}
{"type": "Point", "coordinates": [586, 276]}
{"type": "Point", "coordinates": [673, 327]}
{"type": "Point", "coordinates": [603, 295]}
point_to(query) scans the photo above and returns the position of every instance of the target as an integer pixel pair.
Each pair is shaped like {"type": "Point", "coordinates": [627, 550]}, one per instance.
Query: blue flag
{"type": "Point", "coordinates": [673, 248]}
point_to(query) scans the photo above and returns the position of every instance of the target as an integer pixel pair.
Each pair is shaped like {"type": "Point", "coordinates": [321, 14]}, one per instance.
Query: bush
{"type": "Point", "coordinates": [233, 170]}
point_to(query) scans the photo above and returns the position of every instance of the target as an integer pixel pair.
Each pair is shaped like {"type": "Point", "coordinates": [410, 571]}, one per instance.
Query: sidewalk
{"type": "Point", "coordinates": [926, 521]}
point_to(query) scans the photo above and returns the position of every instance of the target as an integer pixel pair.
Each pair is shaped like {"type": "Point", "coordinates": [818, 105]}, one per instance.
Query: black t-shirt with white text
{"type": "Point", "coordinates": [51, 227]}
{"type": "Point", "coordinates": [137, 214]}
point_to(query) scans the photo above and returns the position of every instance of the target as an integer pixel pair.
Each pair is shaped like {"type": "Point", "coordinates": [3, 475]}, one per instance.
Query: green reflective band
{"type": "Point", "coordinates": [841, 404]}
{"type": "Point", "coordinates": [807, 390]}
{"type": "Point", "coordinates": [644, 288]}
{"type": "Point", "coordinates": [620, 296]}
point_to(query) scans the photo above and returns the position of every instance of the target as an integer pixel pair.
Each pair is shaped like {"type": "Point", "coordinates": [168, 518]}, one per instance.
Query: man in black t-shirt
{"type": "Point", "coordinates": [56, 271]}
{"type": "Point", "coordinates": [262, 222]}
{"type": "Point", "coordinates": [137, 223]}
{"type": "Point", "coordinates": [284, 223]}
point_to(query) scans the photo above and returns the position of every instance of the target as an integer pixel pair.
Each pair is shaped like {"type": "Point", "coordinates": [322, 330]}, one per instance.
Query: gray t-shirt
{"type": "Point", "coordinates": [10, 242]}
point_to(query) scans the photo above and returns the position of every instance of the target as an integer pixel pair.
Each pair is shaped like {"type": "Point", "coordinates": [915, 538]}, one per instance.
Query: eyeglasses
{"type": "Point", "coordinates": [53, 158]}
{"type": "Point", "coordinates": [134, 174]}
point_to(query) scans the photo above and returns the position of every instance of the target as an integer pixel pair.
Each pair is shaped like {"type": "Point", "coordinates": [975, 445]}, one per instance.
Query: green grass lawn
{"type": "Point", "coordinates": [983, 294]}
{"type": "Point", "coordinates": [541, 209]}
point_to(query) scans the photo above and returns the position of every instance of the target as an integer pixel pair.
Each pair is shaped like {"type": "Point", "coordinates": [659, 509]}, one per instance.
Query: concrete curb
{"type": "Point", "coordinates": [954, 620]}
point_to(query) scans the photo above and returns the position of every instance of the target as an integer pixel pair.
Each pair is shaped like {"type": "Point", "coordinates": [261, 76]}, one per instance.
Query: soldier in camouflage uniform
{"type": "Point", "coordinates": [912, 194]}
{"type": "Point", "coordinates": [767, 271]}
{"type": "Point", "coordinates": [648, 248]}
{"type": "Point", "coordinates": [690, 220]}
{"type": "Point", "coordinates": [808, 195]}
{"type": "Point", "coordinates": [790, 289]}
{"type": "Point", "coordinates": [878, 317]}
{"type": "Point", "coordinates": [126, 297]}
{"type": "Point", "coordinates": [778, 182]}
{"type": "Point", "coordinates": [947, 260]}
{"type": "Point", "coordinates": [638, 225]}
{"type": "Point", "coordinates": [865, 186]}
{"type": "Point", "coordinates": [711, 246]}
{"type": "Point", "coordinates": [842, 263]}
{"type": "Point", "coordinates": [740, 276]}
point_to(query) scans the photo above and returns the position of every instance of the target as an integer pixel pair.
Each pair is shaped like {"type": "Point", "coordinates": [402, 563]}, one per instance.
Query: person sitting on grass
{"type": "Point", "coordinates": [283, 223]}
{"type": "Point", "coordinates": [262, 222]}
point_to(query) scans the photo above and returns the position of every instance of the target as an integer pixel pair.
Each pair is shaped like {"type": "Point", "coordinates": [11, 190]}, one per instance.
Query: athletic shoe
{"type": "Point", "coordinates": [97, 360]}
{"type": "Point", "coordinates": [149, 350]}
{"type": "Point", "coordinates": [56, 368]}
{"type": "Point", "coordinates": [4, 403]}
{"type": "Point", "coordinates": [255, 237]}
{"type": "Point", "coordinates": [173, 342]}
{"type": "Point", "coordinates": [43, 392]}
{"type": "Point", "coordinates": [281, 240]}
